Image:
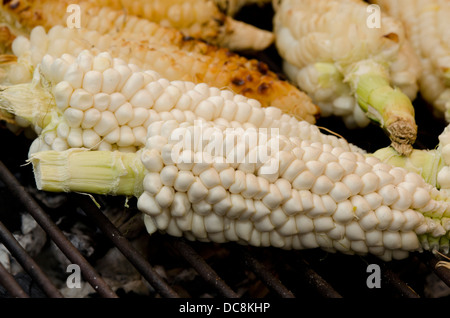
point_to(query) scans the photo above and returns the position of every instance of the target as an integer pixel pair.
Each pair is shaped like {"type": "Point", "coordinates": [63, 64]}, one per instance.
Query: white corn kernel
{"type": "Point", "coordinates": [261, 210]}
{"type": "Point", "coordinates": [73, 116]}
{"type": "Point", "coordinates": [92, 82]}
{"type": "Point", "coordinates": [91, 118]}
{"type": "Point", "coordinates": [323, 224]}
{"type": "Point", "coordinates": [384, 216]}
{"type": "Point", "coordinates": [165, 196]}
{"type": "Point", "coordinates": [62, 93]}
{"type": "Point", "coordinates": [85, 60]}
{"type": "Point", "coordinates": [152, 183]}
{"type": "Point", "coordinates": [354, 232]}
{"type": "Point", "coordinates": [106, 124]}
{"type": "Point", "coordinates": [124, 73]}
{"type": "Point", "coordinates": [152, 161]}
{"type": "Point", "coordinates": [167, 100]}
{"type": "Point", "coordinates": [344, 212]}
{"type": "Point", "coordinates": [142, 98]}
{"type": "Point", "coordinates": [197, 191]}
{"type": "Point", "coordinates": [392, 240]}
{"type": "Point", "coordinates": [322, 185]}
{"type": "Point", "coordinates": [110, 80]}
{"type": "Point", "coordinates": [216, 194]}
{"type": "Point", "coordinates": [134, 83]}
{"type": "Point", "coordinates": [238, 206]}
{"type": "Point", "coordinates": [75, 139]}
{"type": "Point", "coordinates": [389, 193]}
{"type": "Point", "coordinates": [124, 113]}
{"type": "Point", "coordinates": [168, 175]}
{"type": "Point", "coordinates": [126, 137]}
{"type": "Point", "coordinates": [113, 136]}
{"type": "Point", "coordinates": [81, 99]}
{"type": "Point", "coordinates": [222, 207]}
{"type": "Point", "coordinates": [101, 101]}
{"type": "Point", "coordinates": [90, 138]}
{"type": "Point", "coordinates": [180, 205]}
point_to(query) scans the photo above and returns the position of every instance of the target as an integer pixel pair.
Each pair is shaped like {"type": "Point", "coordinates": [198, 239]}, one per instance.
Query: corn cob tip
{"type": "Point", "coordinates": [403, 135]}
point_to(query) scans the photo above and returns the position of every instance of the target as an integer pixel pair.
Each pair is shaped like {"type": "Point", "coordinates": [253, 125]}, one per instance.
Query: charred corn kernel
{"type": "Point", "coordinates": [349, 69]}
{"type": "Point", "coordinates": [426, 26]}
{"type": "Point", "coordinates": [178, 60]}
{"type": "Point", "coordinates": [199, 19]}
{"type": "Point", "coordinates": [115, 119]}
{"type": "Point", "coordinates": [275, 210]}
{"type": "Point", "coordinates": [195, 18]}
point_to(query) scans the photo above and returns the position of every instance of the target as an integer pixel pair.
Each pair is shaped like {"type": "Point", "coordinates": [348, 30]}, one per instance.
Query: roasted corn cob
{"type": "Point", "coordinates": [427, 25]}
{"type": "Point", "coordinates": [168, 53]}
{"type": "Point", "coordinates": [349, 68]}
{"type": "Point", "coordinates": [197, 18]}
{"type": "Point", "coordinates": [101, 102]}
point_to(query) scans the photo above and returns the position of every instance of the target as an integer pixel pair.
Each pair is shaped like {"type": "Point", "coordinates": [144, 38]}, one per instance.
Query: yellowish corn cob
{"type": "Point", "coordinates": [101, 102]}
{"type": "Point", "coordinates": [170, 54]}
{"type": "Point", "coordinates": [197, 18]}
{"type": "Point", "coordinates": [427, 25]}
{"type": "Point", "coordinates": [348, 67]}
{"type": "Point", "coordinates": [310, 194]}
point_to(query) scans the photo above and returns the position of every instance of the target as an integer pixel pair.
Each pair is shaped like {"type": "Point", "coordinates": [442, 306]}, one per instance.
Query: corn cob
{"type": "Point", "coordinates": [426, 24]}
{"type": "Point", "coordinates": [101, 102]}
{"type": "Point", "coordinates": [348, 68]}
{"type": "Point", "coordinates": [197, 18]}
{"type": "Point", "coordinates": [302, 195]}
{"type": "Point", "coordinates": [183, 59]}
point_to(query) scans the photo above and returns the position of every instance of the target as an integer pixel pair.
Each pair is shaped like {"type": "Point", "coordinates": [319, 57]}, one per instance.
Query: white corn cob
{"type": "Point", "coordinates": [175, 60]}
{"type": "Point", "coordinates": [200, 181]}
{"type": "Point", "coordinates": [101, 102]}
{"type": "Point", "coordinates": [427, 26]}
{"type": "Point", "coordinates": [331, 52]}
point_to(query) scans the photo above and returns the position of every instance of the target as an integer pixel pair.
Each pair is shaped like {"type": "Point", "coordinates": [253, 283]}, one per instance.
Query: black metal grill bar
{"type": "Point", "coordinates": [265, 275]}
{"type": "Point", "coordinates": [10, 284]}
{"type": "Point", "coordinates": [393, 280]}
{"type": "Point", "coordinates": [89, 273]}
{"type": "Point", "coordinates": [126, 248]}
{"type": "Point", "coordinates": [33, 269]}
{"type": "Point", "coordinates": [202, 268]}
{"type": "Point", "coordinates": [316, 281]}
